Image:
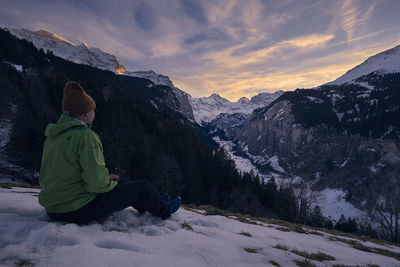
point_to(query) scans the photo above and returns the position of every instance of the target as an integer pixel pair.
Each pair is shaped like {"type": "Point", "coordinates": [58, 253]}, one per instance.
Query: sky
{"type": "Point", "coordinates": [234, 48]}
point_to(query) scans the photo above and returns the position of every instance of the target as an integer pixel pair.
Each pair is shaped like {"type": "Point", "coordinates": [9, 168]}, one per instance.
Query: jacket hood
{"type": "Point", "coordinates": [64, 123]}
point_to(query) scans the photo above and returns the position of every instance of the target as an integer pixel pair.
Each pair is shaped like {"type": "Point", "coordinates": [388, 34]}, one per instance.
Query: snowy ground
{"type": "Point", "coordinates": [334, 204]}
{"type": "Point", "coordinates": [188, 238]}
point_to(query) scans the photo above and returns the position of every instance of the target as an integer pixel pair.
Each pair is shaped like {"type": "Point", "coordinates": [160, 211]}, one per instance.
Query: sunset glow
{"type": "Point", "coordinates": [230, 47]}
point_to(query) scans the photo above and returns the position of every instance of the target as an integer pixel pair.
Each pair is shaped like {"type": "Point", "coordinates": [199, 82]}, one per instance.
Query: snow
{"type": "Point", "coordinates": [274, 163]}
{"type": "Point", "coordinates": [334, 204]}
{"type": "Point", "coordinates": [156, 78]}
{"type": "Point", "coordinates": [385, 62]}
{"type": "Point", "coordinates": [373, 169]}
{"type": "Point", "coordinates": [245, 164]}
{"type": "Point", "coordinates": [314, 99]}
{"type": "Point", "coordinates": [129, 239]}
{"type": "Point", "coordinates": [242, 164]}
{"type": "Point", "coordinates": [366, 85]}
{"type": "Point", "coordinates": [206, 109]}
{"type": "Point", "coordinates": [19, 68]}
{"type": "Point", "coordinates": [81, 54]}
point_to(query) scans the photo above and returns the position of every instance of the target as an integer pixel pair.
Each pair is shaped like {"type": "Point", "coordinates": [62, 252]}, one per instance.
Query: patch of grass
{"type": "Point", "coordinates": [245, 234]}
{"type": "Point", "coordinates": [187, 226]}
{"type": "Point", "coordinates": [24, 262]}
{"type": "Point", "coordinates": [292, 228]}
{"type": "Point", "coordinates": [314, 256]}
{"type": "Point", "coordinates": [342, 265]}
{"type": "Point", "coordinates": [388, 253]}
{"type": "Point", "coordinates": [304, 263]}
{"type": "Point", "coordinates": [274, 263]}
{"type": "Point", "coordinates": [298, 229]}
{"type": "Point", "coordinates": [316, 233]}
{"type": "Point", "coordinates": [118, 230]}
{"type": "Point", "coordinates": [9, 185]}
{"type": "Point", "coordinates": [320, 256]}
{"type": "Point", "coordinates": [251, 250]}
{"type": "Point", "coordinates": [357, 245]}
{"type": "Point", "coordinates": [283, 229]}
{"type": "Point", "coordinates": [281, 247]}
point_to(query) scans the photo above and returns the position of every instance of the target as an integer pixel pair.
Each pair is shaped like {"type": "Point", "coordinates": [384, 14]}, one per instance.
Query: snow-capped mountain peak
{"type": "Point", "coordinates": [156, 78]}
{"type": "Point", "coordinates": [385, 62]}
{"type": "Point", "coordinates": [81, 54]}
{"type": "Point", "coordinates": [243, 100]}
{"type": "Point", "coordinates": [206, 109]}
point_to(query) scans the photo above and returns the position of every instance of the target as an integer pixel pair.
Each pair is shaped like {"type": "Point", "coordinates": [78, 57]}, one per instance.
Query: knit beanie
{"type": "Point", "coordinates": [76, 102]}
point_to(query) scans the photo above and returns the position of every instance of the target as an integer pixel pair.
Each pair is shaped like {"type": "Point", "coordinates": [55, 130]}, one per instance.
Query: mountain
{"type": "Point", "coordinates": [94, 57]}
{"type": "Point", "coordinates": [206, 109]}
{"type": "Point", "coordinates": [193, 236]}
{"type": "Point", "coordinates": [342, 135]}
{"type": "Point", "coordinates": [81, 54]}
{"type": "Point", "coordinates": [383, 63]}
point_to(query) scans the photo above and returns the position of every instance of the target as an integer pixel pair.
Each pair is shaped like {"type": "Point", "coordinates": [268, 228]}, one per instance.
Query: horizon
{"type": "Point", "coordinates": [230, 48]}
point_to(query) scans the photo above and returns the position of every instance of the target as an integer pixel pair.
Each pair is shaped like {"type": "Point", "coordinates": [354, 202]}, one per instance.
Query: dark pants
{"type": "Point", "coordinates": [140, 195]}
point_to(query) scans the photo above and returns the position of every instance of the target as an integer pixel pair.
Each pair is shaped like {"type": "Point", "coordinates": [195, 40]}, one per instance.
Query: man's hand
{"type": "Point", "coordinates": [114, 177]}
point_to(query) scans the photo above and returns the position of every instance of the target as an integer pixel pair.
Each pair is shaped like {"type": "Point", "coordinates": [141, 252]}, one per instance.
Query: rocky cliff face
{"type": "Point", "coordinates": [335, 136]}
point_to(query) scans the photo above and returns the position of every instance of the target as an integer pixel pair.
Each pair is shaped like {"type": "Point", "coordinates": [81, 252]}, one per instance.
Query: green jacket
{"type": "Point", "coordinates": [73, 170]}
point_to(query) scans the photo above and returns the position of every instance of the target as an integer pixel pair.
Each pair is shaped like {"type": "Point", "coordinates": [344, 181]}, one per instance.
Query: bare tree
{"type": "Point", "coordinates": [386, 209]}
{"type": "Point", "coordinates": [306, 200]}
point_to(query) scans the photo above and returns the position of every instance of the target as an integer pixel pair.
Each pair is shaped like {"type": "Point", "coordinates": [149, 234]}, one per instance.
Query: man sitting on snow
{"type": "Point", "coordinates": [74, 181]}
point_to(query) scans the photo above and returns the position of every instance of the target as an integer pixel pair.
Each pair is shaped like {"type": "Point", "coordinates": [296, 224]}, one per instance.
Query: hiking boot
{"type": "Point", "coordinates": [174, 204]}
{"type": "Point", "coordinates": [165, 197]}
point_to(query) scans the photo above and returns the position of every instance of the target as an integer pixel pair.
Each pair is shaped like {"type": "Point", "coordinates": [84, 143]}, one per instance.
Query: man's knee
{"type": "Point", "coordinates": [143, 184]}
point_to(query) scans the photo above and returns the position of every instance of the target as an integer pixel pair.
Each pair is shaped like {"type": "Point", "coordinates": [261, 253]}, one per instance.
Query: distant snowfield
{"type": "Point", "coordinates": [333, 205]}
{"type": "Point", "coordinates": [129, 239]}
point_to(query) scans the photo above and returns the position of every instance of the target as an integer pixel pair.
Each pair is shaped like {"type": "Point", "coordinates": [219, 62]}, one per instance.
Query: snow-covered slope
{"type": "Point", "coordinates": [156, 78]}
{"type": "Point", "coordinates": [206, 109]}
{"type": "Point", "coordinates": [81, 54]}
{"type": "Point", "coordinates": [188, 238]}
{"type": "Point", "coordinates": [385, 62]}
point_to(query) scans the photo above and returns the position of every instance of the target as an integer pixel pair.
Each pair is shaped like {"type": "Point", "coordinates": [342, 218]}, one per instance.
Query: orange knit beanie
{"type": "Point", "coordinates": [76, 102]}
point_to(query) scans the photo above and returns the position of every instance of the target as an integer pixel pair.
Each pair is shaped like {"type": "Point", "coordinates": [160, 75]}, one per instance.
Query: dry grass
{"type": "Point", "coordinates": [281, 247]}
{"type": "Point", "coordinates": [187, 226]}
{"type": "Point", "coordinates": [251, 250]}
{"type": "Point", "coordinates": [314, 256]}
{"type": "Point", "coordinates": [304, 263]}
{"type": "Point", "coordinates": [357, 245]}
{"type": "Point", "coordinates": [284, 225]}
{"type": "Point", "coordinates": [11, 185]}
{"type": "Point", "coordinates": [24, 262]}
{"type": "Point", "coordinates": [274, 263]}
{"type": "Point", "coordinates": [245, 234]}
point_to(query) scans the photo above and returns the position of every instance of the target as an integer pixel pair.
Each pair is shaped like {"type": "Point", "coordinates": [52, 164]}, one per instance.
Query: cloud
{"type": "Point", "coordinates": [313, 72]}
{"type": "Point", "coordinates": [210, 35]}
{"type": "Point", "coordinates": [144, 16]}
{"type": "Point", "coordinates": [228, 59]}
{"type": "Point", "coordinates": [232, 47]}
{"type": "Point", "coordinates": [194, 11]}
{"type": "Point", "coordinates": [309, 42]}
{"type": "Point", "coordinates": [354, 19]}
